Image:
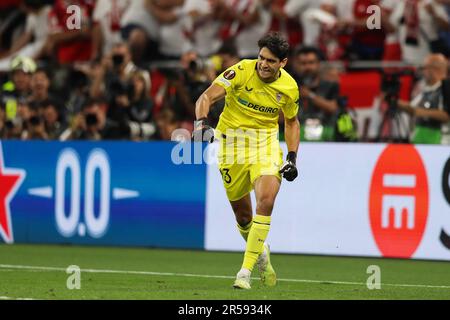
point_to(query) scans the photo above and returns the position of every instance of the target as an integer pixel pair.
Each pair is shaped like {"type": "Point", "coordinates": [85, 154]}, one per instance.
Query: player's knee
{"type": "Point", "coordinates": [244, 218]}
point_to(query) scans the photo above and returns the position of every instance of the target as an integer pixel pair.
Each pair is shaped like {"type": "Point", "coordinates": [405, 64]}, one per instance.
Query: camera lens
{"type": "Point", "coordinates": [35, 120]}
{"type": "Point", "coordinates": [91, 119]}
{"type": "Point", "coordinates": [193, 65]}
{"type": "Point", "coordinates": [9, 124]}
{"type": "Point", "coordinates": [118, 60]}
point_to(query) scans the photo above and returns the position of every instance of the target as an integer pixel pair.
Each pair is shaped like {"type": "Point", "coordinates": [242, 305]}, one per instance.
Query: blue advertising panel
{"type": "Point", "coordinates": [105, 193]}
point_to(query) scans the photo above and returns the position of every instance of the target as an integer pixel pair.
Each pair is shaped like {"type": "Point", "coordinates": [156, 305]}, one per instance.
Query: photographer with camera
{"type": "Point", "coordinates": [113, 81]}
{"type": "Point", "coordinates": [31, 122]}
{"type": "Point", "coordinates": [53, 121]}
{"type": "Point", "coordinates": [115, 67]}
{"type": "Point", "coordinates": [431, 108]}
{"type": "Point", "coordinates": [185, 85]}
{"type": "Point", "coordinates": [91, 124]}
{"type": "Point", "coordinates": [132, 108]}
{"type": "Point", "coordinates": [140, 112]}
{"type": "Point", "coordinates": [35, 129]}
{"type": "Point", "coordinates": [318, 98]}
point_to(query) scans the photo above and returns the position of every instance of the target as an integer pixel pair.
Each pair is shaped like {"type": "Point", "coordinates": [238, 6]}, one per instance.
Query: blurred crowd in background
{"type": "Point", "coordinates": [133, 69]}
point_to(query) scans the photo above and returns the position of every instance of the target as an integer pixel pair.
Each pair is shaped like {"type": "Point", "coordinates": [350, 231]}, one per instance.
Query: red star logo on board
{"type": "Point", "coordinates": [10, 181]}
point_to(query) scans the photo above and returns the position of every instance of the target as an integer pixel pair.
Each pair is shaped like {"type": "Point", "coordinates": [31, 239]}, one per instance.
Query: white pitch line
{"type": "Point", "coordinates": [151, 273]}
{"type": "Point", "coordinates": [11, 298]}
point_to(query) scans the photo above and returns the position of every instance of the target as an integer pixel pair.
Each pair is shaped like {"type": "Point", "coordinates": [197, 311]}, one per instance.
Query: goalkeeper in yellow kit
{"type": "Point", "coordinates": [255, 92]}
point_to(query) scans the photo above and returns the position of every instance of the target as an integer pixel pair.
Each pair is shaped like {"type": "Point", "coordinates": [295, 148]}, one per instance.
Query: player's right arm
{"type": "Point", "coordinates": [211, 95]}
{"type": "Point", "coordinates": [202, 130]}
{"type": "Point", "coordinates": [225, 83]}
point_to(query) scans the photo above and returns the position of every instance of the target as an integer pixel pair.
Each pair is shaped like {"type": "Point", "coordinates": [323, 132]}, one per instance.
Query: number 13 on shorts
{"type": "Point", "coordinates": [226, 175]}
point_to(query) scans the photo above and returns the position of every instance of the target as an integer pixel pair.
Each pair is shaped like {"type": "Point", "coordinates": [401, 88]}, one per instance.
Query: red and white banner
{"type": "Point", "coordinates": [351, 199]}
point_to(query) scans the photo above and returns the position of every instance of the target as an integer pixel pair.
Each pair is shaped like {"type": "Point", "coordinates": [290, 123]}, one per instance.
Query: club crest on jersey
{"type": "Point", "coordinates": [279, 96]}
{"type": "Point", "coordinates": [229, 75]}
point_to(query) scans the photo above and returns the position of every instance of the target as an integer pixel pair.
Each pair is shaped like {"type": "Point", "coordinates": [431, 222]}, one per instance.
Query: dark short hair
{"type": "Point", "coordinates": [302, 50]}
{"type": "Point", "coordinates": [229, 47]}
{"type": "Point", "coordinates": [44, 71]}
{"type": "Point", "coordinates": [36, 105]}
{"type": "Point", "coordinates": [89, 102]}
{"type": "Point", "coordinates": [276, 43]}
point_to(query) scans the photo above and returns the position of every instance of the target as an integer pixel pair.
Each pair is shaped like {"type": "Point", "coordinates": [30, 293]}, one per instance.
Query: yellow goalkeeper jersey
{"type": "Point", "coordinates": [251, 103]}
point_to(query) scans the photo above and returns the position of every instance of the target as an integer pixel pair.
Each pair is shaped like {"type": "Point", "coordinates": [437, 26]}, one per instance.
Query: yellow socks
{"type": "Point", "coordinates": [245, 229]}
{"type": "Point", "coordinates": [255, 241]}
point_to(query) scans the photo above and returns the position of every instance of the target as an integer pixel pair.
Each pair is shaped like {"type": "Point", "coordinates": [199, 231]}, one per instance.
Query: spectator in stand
{"type": "Point", "coordinates": [392, 48]}
{"type": "Point", "coordinates": [35, 128]}
{"type": "Point", "coordinates": [185, 86]}
{"type": "Point", "coordinates": [291, 28]}
{"type": "Point", "coordinates": [228, 54]}
{"type": "Point", "coordinates": [359, 42]}
{"type": "Point", "coordinates": [113, 82]}
{"type": "Point", "coordinates": [245, 21]}
{"type": "Point", "coordinates": [116, 67]}
{"type": "Point", "coordinates": [2, 121]}
{"type": "Point", "coordinates": [40, 95]}
{"type": "Point", "coordinates": [331, 73]}
{"type": "Point", "coordinates": [318, 98]}
{"type": "Point", "coordinates": [106, 30]}
{"type": "Point", "coordinates": [17, 126]}
{"type": "Point", "coordinates": [32, 40]}
{"type": "Point", "coordinates": [335, 37]}
{"type": "Point", "coordinates": [53, 121]}
{"type": "Point", "coordinates": [445, 34]}
{"type": "Point", "coordinates": [431, 108]}
{"type": "Point", "coordinates": [138, 109]}
{"type": "Point", "coordinates": [14, 127]}
{"type": "Point", "coordinates": [78, 92]}
{"type": "Point", "coordinates": [417, 23]}
{"type": "Point", "coordinates": [40, 84]}
{"type": "Point", "coordinates": [12, 23]}
{"type": "Point", "coordinates": [140, 29]}
{"type": "Point", "coordinates": [171, 16]}
{"type": "Point", "coordinates": [69, 46]}
{"type": "Point", "coordinates": [9, 6]}
{"type": "Point", "coordinates": [19, 86]}
{"type": "Point", "coordinates": [202, 26]}
{"type": "Point", "coordinates": [167, 123]}
{"type": "Point", "coordinates": [92, 124]}
{"type": "Point", "coordinates": [298, 9]}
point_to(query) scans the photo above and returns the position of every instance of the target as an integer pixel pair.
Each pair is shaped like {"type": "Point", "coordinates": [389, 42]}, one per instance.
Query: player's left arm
{"type": "Point", "coordinates": [292, 134]}
{"type": "Point", "coordinates": [292, 137]}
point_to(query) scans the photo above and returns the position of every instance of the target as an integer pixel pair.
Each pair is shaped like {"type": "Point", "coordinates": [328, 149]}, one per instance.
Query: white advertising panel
{"type": "Point", "coordinates": [350, 199]}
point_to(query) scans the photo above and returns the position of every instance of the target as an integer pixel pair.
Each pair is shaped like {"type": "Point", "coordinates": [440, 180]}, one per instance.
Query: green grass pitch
{"type": "Point", "coordinates": [39, 272]}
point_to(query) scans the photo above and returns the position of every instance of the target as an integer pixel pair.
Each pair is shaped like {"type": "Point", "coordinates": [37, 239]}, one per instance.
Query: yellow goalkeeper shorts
{"type": "Point", "coordinates": [241, 169]}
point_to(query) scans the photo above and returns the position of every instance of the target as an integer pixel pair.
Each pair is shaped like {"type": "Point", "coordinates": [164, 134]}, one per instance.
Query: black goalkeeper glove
{"type": "Point", "coordinates": [289, 169]}
{"type": "Point", "coordinates": [203, 132]}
